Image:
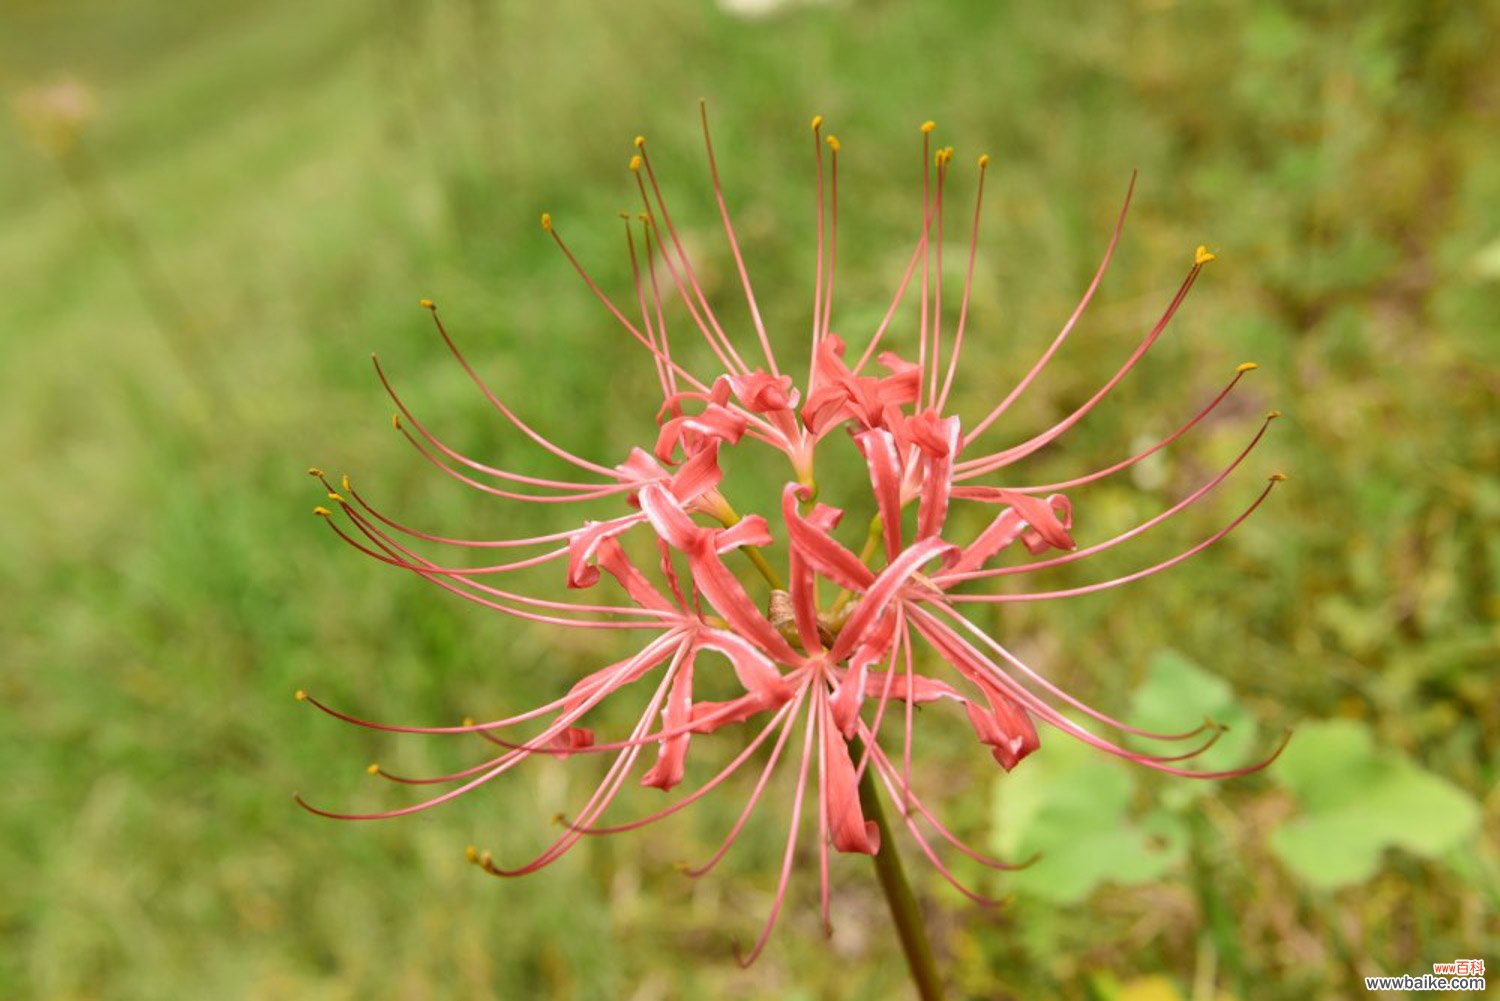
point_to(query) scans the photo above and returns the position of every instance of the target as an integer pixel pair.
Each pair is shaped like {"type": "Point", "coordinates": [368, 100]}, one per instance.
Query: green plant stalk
{"type": "Point", "coordinates": [898, 896]}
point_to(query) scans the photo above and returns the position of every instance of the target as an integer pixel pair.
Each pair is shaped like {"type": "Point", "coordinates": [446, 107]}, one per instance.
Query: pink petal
{"type": "Point", "coordinates": [849, 829]}
{"type": "Point", "coordinates": [939, 439]}
{"type": "Point", "coordinates": [583, 544]}
{"type": "Point", "coordinates": [671, 760]}
{"type": "Point", "coordinates": [884, 590]}
{"type": "Point", "coordinates": [612, 557]}
{"type": "Point", "coordinates": [878, 446]}
{"type": "Point", "coordinates": [574, 738]}
{"type": "Point", "coordinates": [819, 548]}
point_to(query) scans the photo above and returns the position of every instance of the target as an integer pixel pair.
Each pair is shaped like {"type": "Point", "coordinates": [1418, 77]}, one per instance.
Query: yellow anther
{"type": "Point", "coordinates": [817, 122]}
{"type": "Point", "coordinates": [468, 721]}
{"type": "Point", "coordinates": [646, 218]}
{"type": "Point", "coordinates": [322, 512]}
{"type": "Point", "coordinates": [301, 695]}
{"type": "Point", "coordinates": [938, 158]}
{"type": "Point", "coordinates": [1271, 415]}
{"type": "Point", "coordinates": [1202, 256]}
{"type": "Point", "coordinates": [396, 421]}
{"type": "Point", "coordinates": [833, 143]}
{"type": "Point", "coordinates": [427, 304]}
{"type": "Point", "coordinates": [624, 215]}
{"type": "Point", "coordinates": [472, 854]}
{"type": "Point", "coordinates": [984, 160]}
{"type": "Point", "coordinates": [635, 162]}
{"type": "Point", "coordinates": [314, 471]}
{"type": "Point", "coordinates": [486, 860]}
{"type": "Point", "coordinates": [373, 768]}
{"type": "Point", "coordinates": [346, 482]}
{"type": "Point", "coordinates": [1248, 366]}
{"type": "Point", "coordinates": [1278, 477]}
{"type": "Point", "coordinates": [560, 819]}
{"type": "Point", "coordinates": [335, 497]}
{"type": "Point", "coordinates": [928, 126]}
{"type": "Point", "coordinates": [640, 142]}
{"type": "Point", "coordinates": [547, 221]}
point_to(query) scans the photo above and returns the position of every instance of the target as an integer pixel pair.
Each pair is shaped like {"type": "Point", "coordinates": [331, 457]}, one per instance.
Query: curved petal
{"type": "Point", "coordinates": [819, 548]}
{"type": "Point", "coordinates": [883, 591]}
{"type": "Point", "coordinates": [878, 446]}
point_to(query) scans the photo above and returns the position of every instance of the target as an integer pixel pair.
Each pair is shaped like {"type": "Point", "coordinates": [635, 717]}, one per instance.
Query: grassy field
{"type": "Point", "coordinates": [264, 192]}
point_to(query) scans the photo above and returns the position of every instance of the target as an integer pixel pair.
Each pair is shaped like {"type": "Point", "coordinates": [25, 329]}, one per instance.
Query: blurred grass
{"type": "Point", "coordinates": [303, 173]}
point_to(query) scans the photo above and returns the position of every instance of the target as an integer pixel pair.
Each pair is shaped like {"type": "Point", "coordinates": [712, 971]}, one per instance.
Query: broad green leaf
{"type": "Point", "coordinates": [1070, 804]}
{"type": "Point", "coordinates": [1358, 800]}
{"type": "Point", "coordinates": [1177, 695]}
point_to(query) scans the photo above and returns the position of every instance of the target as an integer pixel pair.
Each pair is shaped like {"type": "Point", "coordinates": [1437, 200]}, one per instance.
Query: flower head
{"type": "Point", "coordinates": [842, 674]}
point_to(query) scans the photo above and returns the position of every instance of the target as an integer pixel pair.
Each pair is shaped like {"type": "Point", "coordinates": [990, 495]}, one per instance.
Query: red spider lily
{"type": "Point", "coordinates": [833, 669]}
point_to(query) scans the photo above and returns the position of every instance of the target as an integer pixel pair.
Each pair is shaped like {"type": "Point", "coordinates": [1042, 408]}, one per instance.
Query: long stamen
{"type": "Point", "coordinates": [661, 317]}
{"type": "Point", "coordinates": [640, 298]}
{"type": "Point", "coordinates": [901, 287]}
{"type": "Point", "coordinates": [998, 460]}
{"type": "Point", "coordinates": [551, 228]}
{"type": "Point", "coordinates": [734, 245]}
{"type": "Point", "coordinates": [833, 230]}
{"type": "Point", "coordinates": [935, 632]}
{"type": "Point", "coordinates": [884, 766]}
{"type": "Point", "coordinates": [649, 739]}
{"type": "Point", "coordinates": [820, 713]}
{"type": "Point", "coordinates": [524, 428]}
{"type": "Point", "coordinates": [683, 259]}
{"type": "Point", "coordinates": [922, 350]}
{"type": "Point", "coordinates": [620, 667]}
{"type": "Point", "coordinates": [1128, 578]}
{"type": "Point", "coordinates": [963, 308]}
{"type": "Point", "coordinates": [509, 762]}
{"type": "Point", "coordinates": [944, 157]}
{"type": "Point", "coordinates": [604, 794]}
{"type": "Point", "coordinates": [791, 845]}
{"type": "Point", "coordinates": [1239, 373]}
{"type": "Point", "coordinates": [932, 856]}
{"type": "Point", "coordinates": [1088, 295]}
{"type": "Point", "coordinates": [391, 547]}
{"type": "Point", "coordinates": [755, 793]}
{"type": "Point", "coordinates": [944, 580]}
{"type": "Point", "coordinates": [592, 493]}
{"type": "Point", "coordinates": [405, 411]}
{"type": "Point", "coordinates": [817, 310]}
{"type": "Point", "coordinates": [707, 787]}
{"type": "Point", "coordinates": [536, 540]}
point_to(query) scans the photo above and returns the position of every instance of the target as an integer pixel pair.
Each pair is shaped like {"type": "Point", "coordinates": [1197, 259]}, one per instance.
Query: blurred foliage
{"type": "Point", "coordinates": [258, 194]}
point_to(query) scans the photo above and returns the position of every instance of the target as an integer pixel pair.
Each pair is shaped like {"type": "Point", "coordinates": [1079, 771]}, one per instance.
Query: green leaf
{"type": "Point", "coordinates": [1070, 803]}
{"type": "Point", "coordinates": [1177, 695]}
{"type": "Point", "coordinates": [1357, 801]}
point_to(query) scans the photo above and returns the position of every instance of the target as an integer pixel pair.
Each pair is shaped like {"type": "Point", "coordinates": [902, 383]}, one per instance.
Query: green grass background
{"type": "Point", "coordinates": [300, 174]}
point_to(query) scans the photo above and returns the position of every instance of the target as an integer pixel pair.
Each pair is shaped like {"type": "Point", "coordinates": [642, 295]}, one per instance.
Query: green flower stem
{"type": "Point", "coordinates": [903, 904]}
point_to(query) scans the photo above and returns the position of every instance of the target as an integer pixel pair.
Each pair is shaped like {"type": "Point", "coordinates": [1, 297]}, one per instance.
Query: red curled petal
{"type": "Point", "coordinates": [584, 543]}
{"type": "Point", "coordinates": [883, 591]}
{"type": "Point", "coordinates": [847, 826]}
{"type": "Point", "coordinates": [878, 446]}
{"type": "Point", "coordinates": [750, 530]}
{"type": "Point", "coordinates": [939, 439]}
{"type": "Point", "coordinates": [924, 689]}
{"type": "Point", "coordinates": [819, 548]}
{"type": "Point", "coordinates": [698, 475]}
{"type": "Point", "coordinates": [612, 557]}
{"type": "Point", "coordinates": [752, 668]}
{"type": "Point", "coordinates": [671, 762]}
{"type": "Point", "coordinates": [574, 738]}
